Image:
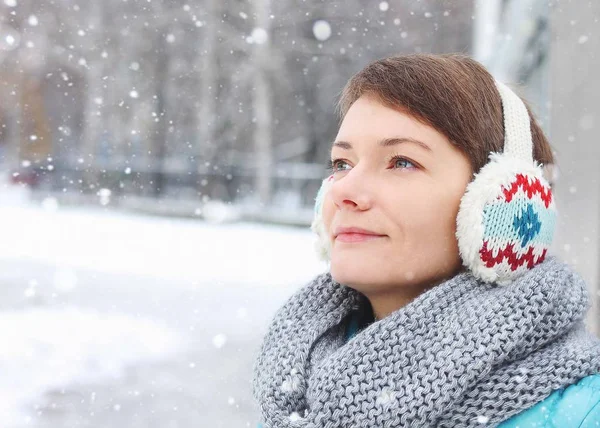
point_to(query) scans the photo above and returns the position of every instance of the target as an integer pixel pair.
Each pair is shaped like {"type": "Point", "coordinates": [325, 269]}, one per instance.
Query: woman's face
{"type": "Point", "coordinates": [402, 180]}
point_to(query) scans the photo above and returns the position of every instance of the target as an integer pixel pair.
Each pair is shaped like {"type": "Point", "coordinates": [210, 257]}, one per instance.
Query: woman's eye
{"type": "Point", "coordinates": [337, 165]}
{"type": "Point", "coordinates": [397, 161]}
{"type": "Point", "coordinates": [401, 163]}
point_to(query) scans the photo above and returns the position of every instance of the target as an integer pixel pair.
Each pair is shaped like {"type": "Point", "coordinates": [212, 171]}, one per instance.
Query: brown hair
{"type": "Point", "coordinates": [452, 93]}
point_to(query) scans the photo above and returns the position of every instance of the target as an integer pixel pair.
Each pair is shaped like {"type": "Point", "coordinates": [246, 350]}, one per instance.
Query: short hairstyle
{"type": "Point", "coordinates": [452, 93]}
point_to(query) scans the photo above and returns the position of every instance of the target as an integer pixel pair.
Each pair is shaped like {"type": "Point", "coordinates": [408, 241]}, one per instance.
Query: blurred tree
{"type": "Point", "coordinates": [181, 93]}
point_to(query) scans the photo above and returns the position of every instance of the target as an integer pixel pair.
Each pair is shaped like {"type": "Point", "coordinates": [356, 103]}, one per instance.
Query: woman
{"type": "Point", "coordinates": [441, 306]}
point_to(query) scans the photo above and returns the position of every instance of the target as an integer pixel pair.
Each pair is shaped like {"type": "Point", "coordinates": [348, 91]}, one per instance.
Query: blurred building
{"type": "Point", "coordinates": [23, 119]}
{"type": "Point", "coordinates": [550, 50]}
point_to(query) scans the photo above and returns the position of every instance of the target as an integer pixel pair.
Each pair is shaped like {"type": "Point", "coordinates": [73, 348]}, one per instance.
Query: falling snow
{"type": "Point", "coordinates": [322, 30]}
{"type": "Point", "coordinates": [482, 419]}
{"type": "Point", "coordinates": [209, 120]}
{"type": "Point", "coordinates": [219, 340]}
{"type": "Point", "coordinates": [259, 36]}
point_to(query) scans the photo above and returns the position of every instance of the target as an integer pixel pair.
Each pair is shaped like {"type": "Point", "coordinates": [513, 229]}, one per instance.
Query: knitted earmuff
{"type": "Point", "coordinates": [505, 223]}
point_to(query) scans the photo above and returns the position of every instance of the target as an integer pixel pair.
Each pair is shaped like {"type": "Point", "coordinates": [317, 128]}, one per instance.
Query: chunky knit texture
{"type": "Point", "coordinates": [464, 353]}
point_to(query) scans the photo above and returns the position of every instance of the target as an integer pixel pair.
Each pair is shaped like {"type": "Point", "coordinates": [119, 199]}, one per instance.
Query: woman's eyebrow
{"type": "Point", "coordinates": [386, 142]}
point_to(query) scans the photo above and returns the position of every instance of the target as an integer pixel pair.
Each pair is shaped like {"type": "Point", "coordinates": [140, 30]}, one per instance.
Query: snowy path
{"type": "Point", "coordinates": [121, 320]}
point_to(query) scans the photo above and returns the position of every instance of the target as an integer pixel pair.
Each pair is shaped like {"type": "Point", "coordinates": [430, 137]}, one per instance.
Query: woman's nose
{"type": "Point", "coordinates": [351, 191]}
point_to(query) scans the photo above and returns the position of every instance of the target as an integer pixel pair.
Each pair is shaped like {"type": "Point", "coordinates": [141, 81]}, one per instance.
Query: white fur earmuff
{"type": "Point", "coordinates": [506, 220]}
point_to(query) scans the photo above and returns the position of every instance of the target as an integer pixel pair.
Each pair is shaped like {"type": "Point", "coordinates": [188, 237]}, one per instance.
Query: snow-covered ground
{"type": "Point", "coordinates": [122, 320]}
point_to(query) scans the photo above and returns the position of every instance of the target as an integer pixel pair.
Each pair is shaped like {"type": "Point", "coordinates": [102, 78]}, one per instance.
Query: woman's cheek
{"type": "Point", "coordinates": [328, 210]}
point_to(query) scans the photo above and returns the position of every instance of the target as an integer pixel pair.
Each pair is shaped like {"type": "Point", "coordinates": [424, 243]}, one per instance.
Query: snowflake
{"type": "Point", "coordinates": [482, 419]}
{"type": "Point", "coordinates": [386, 397]}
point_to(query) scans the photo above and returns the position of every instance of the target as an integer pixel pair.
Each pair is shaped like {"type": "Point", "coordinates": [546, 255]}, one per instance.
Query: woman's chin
{"type": "Point", "coordinates": [352, 272]}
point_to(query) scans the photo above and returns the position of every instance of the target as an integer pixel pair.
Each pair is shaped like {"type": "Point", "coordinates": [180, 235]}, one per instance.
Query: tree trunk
{"type": "Point", "coordinates": [262, 105]}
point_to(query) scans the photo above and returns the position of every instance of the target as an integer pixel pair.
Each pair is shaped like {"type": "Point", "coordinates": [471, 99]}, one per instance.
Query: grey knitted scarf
{"type": "Point", "coordinates": [464, 353]}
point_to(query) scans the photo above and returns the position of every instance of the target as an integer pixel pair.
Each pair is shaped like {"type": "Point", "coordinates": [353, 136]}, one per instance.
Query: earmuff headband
{"type": "Point", "coordinates": [517, 128]}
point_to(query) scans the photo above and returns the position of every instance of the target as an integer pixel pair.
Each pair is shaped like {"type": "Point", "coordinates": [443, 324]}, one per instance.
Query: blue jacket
{"type": "Point", "coordinates": [576, 406]}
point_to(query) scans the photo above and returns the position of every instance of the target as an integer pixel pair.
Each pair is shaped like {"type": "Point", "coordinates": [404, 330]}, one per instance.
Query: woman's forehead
{"type": "Point", "coordinates": [386, 142]}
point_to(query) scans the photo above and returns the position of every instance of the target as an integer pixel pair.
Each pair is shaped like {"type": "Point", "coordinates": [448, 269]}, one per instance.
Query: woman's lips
{"type": "Point", "coordinates": [357, 237]}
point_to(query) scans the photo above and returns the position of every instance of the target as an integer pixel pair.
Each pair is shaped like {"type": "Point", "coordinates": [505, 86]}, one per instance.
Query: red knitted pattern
{"type": "Point", "coordinates": [514, 260]}
{"type": "Point", "coordinates": [536, 187]}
